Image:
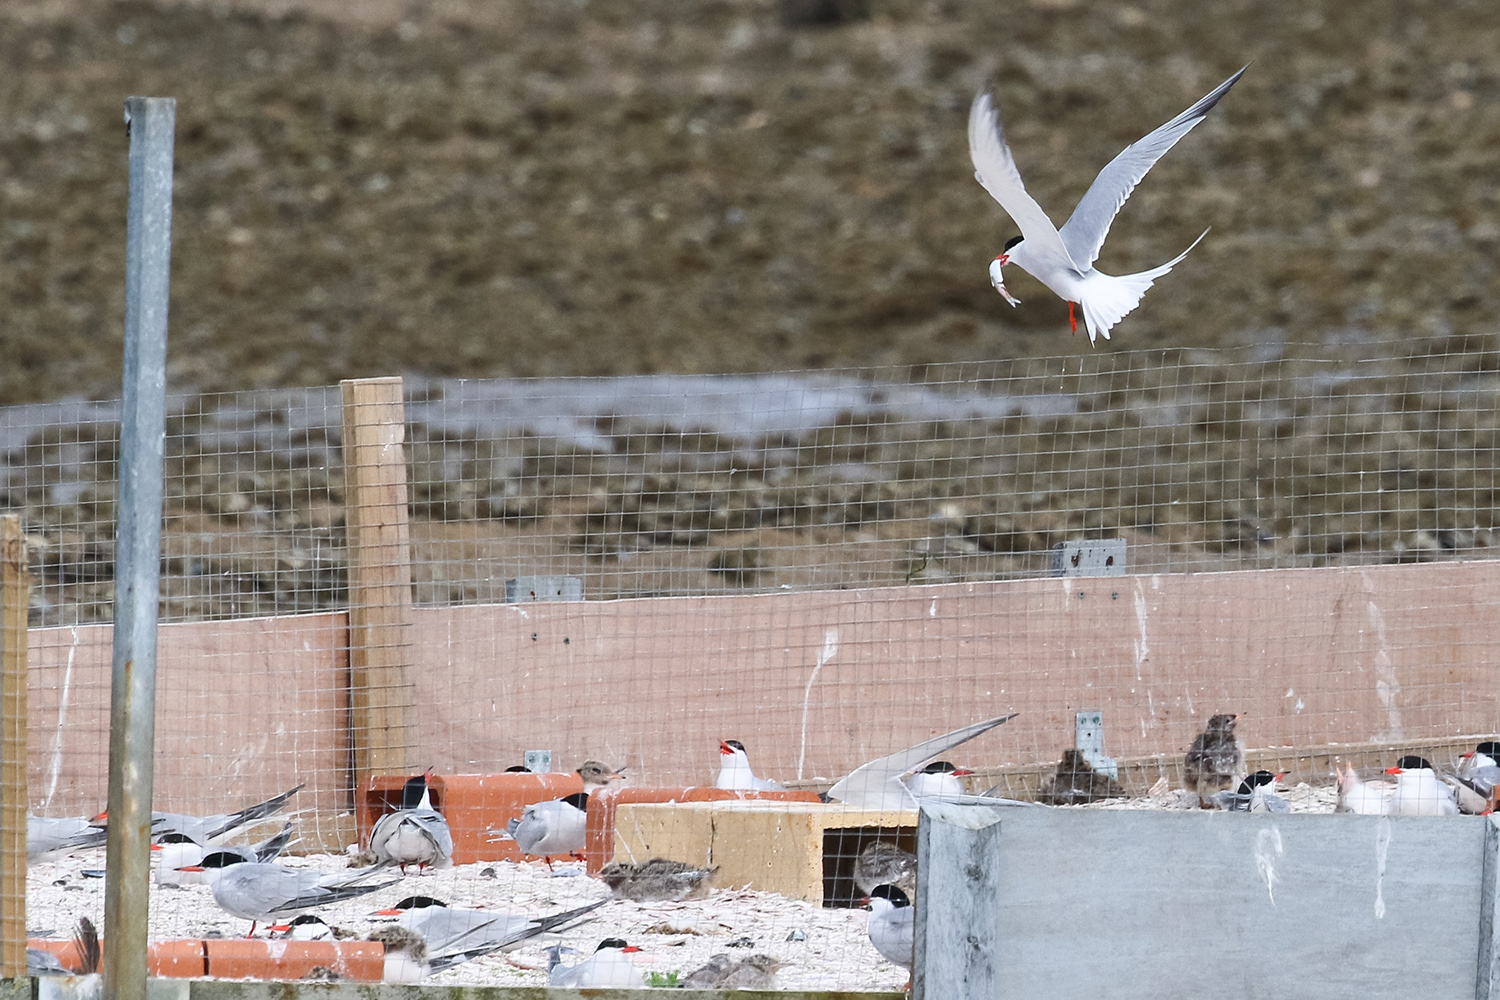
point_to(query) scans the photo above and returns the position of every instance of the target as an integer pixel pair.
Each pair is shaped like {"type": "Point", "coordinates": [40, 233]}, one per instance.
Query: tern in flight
{"type": "Point", "coordinates": [1063, 259]}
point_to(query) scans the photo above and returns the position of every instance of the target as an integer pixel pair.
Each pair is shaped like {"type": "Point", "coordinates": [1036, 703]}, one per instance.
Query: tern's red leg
{"type": "Point", "coordinates": [1072, 320]}
{"type": "Point", "coordinates": [252, 929]}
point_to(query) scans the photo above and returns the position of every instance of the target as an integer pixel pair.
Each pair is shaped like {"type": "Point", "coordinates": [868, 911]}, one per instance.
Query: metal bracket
{"type": "Point", "coordinates": [1092, 557]}
{"type": "Point", "coordinates": [543, 588]}
{"type": "Point", "coordinates": [1088, 739]}
{"type": "Point", "coordinates": [539, 761]}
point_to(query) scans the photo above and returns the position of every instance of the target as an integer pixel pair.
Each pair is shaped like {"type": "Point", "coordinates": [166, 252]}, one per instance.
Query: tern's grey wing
{"type": "Point", "coordinates": [1084, 232]}
{"type": "Point", "coordinates": [435, 828]}
{"type": "Point", "coordinates": [271, 847]}
{"type": "Point", "coordinates": [877, 784]}
{"type": "Point", "coordinates": [995, 169]}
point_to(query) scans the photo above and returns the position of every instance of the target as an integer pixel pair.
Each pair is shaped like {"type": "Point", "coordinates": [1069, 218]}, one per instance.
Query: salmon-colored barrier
{"type": "Point", "coordinates": [250, 958]}
{"type": "Point", "coordinates": [244, 958]}
{"type": "Point", "coordinates": [163, 958]}
{"type": "Point", "coordinates": [601, 819]}
{"type": "Point", "coordinates": [473, 804]}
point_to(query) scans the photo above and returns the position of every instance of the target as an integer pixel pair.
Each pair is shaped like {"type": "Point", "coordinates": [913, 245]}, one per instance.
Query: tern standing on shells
{"type": "Point", "coordinates": [1063, 259]}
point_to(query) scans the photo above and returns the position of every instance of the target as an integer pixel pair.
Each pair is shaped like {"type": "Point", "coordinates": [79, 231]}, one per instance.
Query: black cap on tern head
{"type": "Point", "coordinates": [221, 859]}
{"type": "Point", "coordinates": [939, 767]}
{"type": "Point", "coordinates": [418, 903]}
{"type": "Point", "coordinates": [1255, 780]}
{"type": "Point", "coordinates": [612, 943]}
{"type": "Point", "coordinates": [736, 744]}
{"type": "Point", "coordinates": [1489, 748]}
{"type": "Point", "coordinates": [896, 896]}
{"type": "Point", "coordinates": [1411, 762]}
{"type": "Point", "coordinates": [1011, 242]}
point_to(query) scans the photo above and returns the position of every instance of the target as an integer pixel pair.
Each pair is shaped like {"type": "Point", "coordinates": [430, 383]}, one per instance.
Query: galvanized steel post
{"type": "Point", "coordinates": [132, 714]}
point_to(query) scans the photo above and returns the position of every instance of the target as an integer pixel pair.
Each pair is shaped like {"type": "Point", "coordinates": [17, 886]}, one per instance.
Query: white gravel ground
{"type": "Point", "coordinates": [831, 952]}
{"type": "Point", "coordinates": [835, 954]}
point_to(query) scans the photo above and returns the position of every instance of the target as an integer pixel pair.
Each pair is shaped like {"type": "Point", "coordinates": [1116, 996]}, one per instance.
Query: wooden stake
{"type": "Point", "coordinates": [383, 700]}
{"type": "Point", "coordinates": [15, 600]}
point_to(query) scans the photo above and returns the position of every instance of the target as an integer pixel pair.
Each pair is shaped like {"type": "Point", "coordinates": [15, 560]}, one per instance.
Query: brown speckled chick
{"type": "Point", "coordinates": [1076, 783]}
{"type": "Point", "coordinates": [1216, 760]}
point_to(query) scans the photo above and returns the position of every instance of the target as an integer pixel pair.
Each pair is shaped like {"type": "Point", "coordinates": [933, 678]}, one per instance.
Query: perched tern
{"type": "Point", "coordinates": [878, 784]}
{"type": "Point", "coordinates": [1216, 760]}
{"type": "Point", "coordinates": [1076, 782]}
{"type": "Point", "coordinates": [560, 826]}
{"type": "Point", "coordinates": [735, 773]}
{"type": "Point", "coordinates": [1063, 259]}
{"type": "Point", "coordinates": [256, 891]}
{"type": "Point", "coordinates": [937, 778]}
{"type": "Point", "coordinates": [609, 966]}
{"type": "Point", "coordinates": [308, 927]}
{"type": "Point", "coordinates": [415, 834]}
{"type": "Point", "coordinates": [656, 880]}
{"type": "Point", "coordinates": [206, 829]}
{"type": "Point", "coordinates": [555, 827]}
{"type": "Point", "coordinates": [1479, 770]}
{"type": "Point", "coordinates": [1418, 790]}
{"type": "Point", "coordinates": [454, 931]}
{"type": "Point", "coordinates": [892, 926]}
{"type": "Point", "coordinates": [176, 852]}
{"type": "Point", "coordinates": [1257, 793]}
{"type": "Point", "coordinates": [49, 838]}
{"type": "Point", "coordinates": [1363, 798]}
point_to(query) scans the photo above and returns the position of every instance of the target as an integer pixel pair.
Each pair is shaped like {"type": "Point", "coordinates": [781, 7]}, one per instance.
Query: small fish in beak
{"type": "Point", "coordinates": [997, 278]}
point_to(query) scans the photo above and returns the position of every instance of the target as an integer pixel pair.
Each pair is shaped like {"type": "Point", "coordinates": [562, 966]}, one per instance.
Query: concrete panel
{"type": "Point", "coordinates": [1169, 905]}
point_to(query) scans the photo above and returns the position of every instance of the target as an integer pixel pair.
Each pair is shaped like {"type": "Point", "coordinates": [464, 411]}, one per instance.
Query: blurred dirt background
{"type": "Point", "coordinates": [486, 188]}
{"type": "Point", "coordinates": [561, 187]}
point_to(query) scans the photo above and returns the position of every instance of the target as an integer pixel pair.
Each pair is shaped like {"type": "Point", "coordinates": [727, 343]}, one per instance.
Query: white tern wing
{"type": "Point", "coordinates": [995, 170]}
{"type": "Point", "coordinates": [1084, 232]}
{"type": "Point", "coordinates": [877, 784]}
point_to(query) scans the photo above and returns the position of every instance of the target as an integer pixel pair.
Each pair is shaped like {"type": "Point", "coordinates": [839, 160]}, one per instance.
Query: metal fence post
{"type": "Point", "coordinates": [15, 600]}
{"type": "Point", "coordinates": [958, 903]}
{"type": "Point", "coordinates": [132, 714]}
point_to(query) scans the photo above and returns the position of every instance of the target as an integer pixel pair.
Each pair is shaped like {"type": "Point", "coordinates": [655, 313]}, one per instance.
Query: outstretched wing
{"type": "Point", "coordinates": [995, 170]}
{"type": "Point", "coordinates": [877, 784]}
{"type": "Point", "coordinates": [1084, 232]}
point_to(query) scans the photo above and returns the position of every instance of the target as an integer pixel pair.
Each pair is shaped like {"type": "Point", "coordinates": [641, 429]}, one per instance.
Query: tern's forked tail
{"type": "Point", "coordinates": [1108, 298]}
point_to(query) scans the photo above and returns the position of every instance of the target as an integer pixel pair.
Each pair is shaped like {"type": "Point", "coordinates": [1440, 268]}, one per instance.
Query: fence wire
{"type": "Point", "coordinates": [825, 567]}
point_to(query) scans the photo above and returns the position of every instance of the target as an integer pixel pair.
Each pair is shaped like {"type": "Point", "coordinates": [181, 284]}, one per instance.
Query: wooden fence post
{"type": "Point", "coordinates": [958, 902]}
{"type": "Point", "coordinates": [383, 699]}
{"type": "Point", "coordinates": [15, 601]}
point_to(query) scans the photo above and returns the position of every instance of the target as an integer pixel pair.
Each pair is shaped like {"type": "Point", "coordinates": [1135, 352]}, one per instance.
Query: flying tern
{"type": "Point", "coordinates": [1063, 259]}
{"type": "Point", "coordinates": [415, 834]}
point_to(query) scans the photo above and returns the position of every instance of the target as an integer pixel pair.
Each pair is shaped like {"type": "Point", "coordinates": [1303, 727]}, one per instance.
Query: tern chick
{"type": "Point", "coordinates": [656, 879]}
{"type": "Point", "coordinates": [883, 863]}
{"type": "Point", "coordinates": [1216, 760]}
{"type": "Point", "coordinates": [1076, 782]}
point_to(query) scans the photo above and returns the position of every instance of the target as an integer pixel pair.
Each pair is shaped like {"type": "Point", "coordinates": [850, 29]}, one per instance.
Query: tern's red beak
{"type": "Point", "coordinates": [393, 912]}
{"type": "Point", "coordinates": [191, 868]}
{"type": "Point", "coordinates": [1281, 774]}
{"type": "Point", "coordinates": [959, 772]}
{"type": "Point", "coordinates": [1393, 770]}
{"type": "Point", "coordinates": [280, 928]}
{"type": "Point", "coordinates": [156, 847]}
{"type": "Point", "coordinates": [629, 948]}
{"type": "Point", "coordinates": [726, 749]}
{"type": "Point", "coordinates": [1469, 754]}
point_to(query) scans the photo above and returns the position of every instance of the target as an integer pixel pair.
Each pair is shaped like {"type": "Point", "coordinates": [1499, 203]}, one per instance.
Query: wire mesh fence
{"type": "Point", "coordinates": [824, 568]}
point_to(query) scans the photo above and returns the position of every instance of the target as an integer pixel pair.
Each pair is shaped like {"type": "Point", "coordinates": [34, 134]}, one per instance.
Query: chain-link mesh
{"type": "Point", "coordinates": [826, 567]}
